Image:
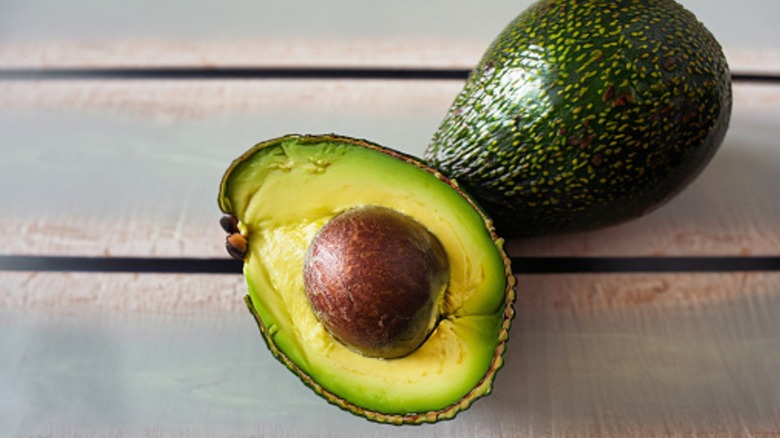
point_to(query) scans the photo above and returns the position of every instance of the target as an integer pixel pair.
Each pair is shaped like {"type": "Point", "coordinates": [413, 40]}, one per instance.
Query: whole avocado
{"type": "Point", "coordinates": [586, 113]}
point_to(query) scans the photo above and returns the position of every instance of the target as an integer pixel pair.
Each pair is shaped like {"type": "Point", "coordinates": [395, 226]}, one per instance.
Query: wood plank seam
{"type": "Point", "coordinates": [521, 265]}
{"type": "Point", "coordinates": [313, 72]}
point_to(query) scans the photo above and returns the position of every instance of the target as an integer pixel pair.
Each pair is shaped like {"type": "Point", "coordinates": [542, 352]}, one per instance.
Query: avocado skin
{"type": "Point", "coordinates": [584, 114]}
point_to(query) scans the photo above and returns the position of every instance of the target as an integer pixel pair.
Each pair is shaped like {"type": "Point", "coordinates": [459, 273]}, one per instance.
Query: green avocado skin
{"type": "Point", "coordinates": [584, 114]}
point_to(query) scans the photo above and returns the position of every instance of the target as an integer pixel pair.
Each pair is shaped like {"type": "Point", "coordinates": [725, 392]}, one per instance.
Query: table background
{"type": "Point", "coordinates": [107, 164]}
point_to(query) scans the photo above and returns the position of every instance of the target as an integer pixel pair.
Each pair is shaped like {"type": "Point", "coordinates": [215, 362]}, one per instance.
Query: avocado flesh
{"type": "Point", "coordinates": [584, 114]}
{"type": "Point", "coordinates": [284, 190]}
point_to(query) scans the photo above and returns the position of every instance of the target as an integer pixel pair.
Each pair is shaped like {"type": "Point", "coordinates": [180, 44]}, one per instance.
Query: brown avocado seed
{"type": "Point", "coordinates": [373, 277]}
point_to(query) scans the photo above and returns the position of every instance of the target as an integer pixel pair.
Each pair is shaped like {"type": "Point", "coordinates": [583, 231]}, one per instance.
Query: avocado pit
{"type": "Point", "coordinates": [374, 278]}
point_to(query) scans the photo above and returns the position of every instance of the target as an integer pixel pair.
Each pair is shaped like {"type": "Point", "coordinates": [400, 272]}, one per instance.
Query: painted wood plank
{"type": "Point", "coordinates": [169, 294]}
{"type": "Point", "coordinates": [301, 33]}
{"type": "Point", "coordinates": [699, 370]}
{"type": "Point", "coordinates": [292, 53]}
{"type": "Point", "coordinates": [132, 168]}
{"type": "Point", "coordinates": [745, 24]}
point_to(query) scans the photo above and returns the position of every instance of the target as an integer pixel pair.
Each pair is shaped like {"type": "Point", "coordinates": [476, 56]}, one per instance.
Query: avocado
{"type": "Point", "coordinates": [586, 113]}
{"type": "Point", "coordinates": [371, 276]}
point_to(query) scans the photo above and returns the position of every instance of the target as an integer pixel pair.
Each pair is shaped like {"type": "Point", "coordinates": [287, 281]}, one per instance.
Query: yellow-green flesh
{"type": "Point", "coordinates": [283, 194]}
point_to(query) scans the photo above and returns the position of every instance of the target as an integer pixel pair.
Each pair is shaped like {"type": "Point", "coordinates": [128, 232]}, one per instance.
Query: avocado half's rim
{"type": "Point", "coordinates": [484, 386]}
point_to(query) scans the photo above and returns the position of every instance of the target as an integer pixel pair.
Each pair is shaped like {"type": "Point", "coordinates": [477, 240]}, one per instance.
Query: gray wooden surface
{"type": "Point", "coordinates": [131, 167]}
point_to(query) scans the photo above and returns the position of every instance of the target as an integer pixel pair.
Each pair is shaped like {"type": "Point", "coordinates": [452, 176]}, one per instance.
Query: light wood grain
{"type": "Point", "coordinates": [703, 370]}
{"type": "Point", "coordinates": [168, 294]}
{"type": "Point", "coordinates": [622, 292]}
{"type": "Point", "coordinates": [395, 52]}
{"type": "Point", "coordinates": [50, 33]}
{"type": "Point", "coordinates": [183, 100]}
{"type": "Point", "coordinates": [126, 168]}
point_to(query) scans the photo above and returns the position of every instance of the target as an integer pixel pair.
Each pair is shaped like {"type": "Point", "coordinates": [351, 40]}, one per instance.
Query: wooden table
{"type": "Point", "coordinates": [117, 121]}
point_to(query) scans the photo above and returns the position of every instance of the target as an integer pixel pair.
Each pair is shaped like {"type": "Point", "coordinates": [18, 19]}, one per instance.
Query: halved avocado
{"type": "Point", "coordinates": [283, 191]}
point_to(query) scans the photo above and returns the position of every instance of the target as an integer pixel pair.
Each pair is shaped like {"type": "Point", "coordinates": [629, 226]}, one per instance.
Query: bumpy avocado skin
{"type": "Point", "coordinates": [584, 114]}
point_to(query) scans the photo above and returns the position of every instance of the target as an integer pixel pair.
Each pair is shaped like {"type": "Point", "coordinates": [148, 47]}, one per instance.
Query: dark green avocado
{"type": "Point", "coordinates": [584, 114]}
